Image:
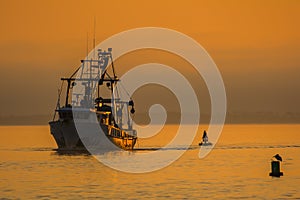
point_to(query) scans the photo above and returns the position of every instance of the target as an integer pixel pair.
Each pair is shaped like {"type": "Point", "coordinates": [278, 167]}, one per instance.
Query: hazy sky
{"type": "Point", "coordinates": [255, 44]}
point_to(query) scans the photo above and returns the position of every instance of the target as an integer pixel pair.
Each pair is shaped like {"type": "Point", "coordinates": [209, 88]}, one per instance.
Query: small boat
{"type": "Point", "coordinates": [205, 141]}
{"type": "Point", "coordinates": [95, 76]}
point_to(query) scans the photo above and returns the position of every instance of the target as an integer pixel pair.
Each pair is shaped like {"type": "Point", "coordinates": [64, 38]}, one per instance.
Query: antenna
{"type": "Point", "coordinates": [94, 40]}
{"type": "Point", "coordinates": [87, 44]}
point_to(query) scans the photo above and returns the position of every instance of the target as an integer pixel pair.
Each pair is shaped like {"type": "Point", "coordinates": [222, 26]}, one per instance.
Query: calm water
{"type": "Point", "coordinates": [237, 168]}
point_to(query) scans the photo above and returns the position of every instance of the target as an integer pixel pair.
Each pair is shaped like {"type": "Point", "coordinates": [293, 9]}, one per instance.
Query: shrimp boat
{"type": "Point", "coordinates": [85, 100]}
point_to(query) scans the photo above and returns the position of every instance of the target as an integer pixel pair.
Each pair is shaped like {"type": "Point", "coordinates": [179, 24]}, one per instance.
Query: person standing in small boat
{"type": "Point", "coordinates": [204, 137]}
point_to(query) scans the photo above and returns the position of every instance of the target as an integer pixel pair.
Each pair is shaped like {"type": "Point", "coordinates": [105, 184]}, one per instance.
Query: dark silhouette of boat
{"type": "Point", "coordinates": [94, 76]}
{"type": "Point", "coordinates": [205, 141]}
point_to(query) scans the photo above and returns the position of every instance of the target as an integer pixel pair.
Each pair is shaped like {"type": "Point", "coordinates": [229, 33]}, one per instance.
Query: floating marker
{"type": "Point", "coordinates": [275, 167]}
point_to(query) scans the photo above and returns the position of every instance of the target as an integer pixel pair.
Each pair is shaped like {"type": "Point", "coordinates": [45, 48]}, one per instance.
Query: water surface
{"type": "Point", "coordinates": [237, 168]}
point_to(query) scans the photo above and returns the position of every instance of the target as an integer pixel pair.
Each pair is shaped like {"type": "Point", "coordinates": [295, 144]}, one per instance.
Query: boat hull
{"type": "Point", "coordinates": [67, 138]}
{"type": "Point", "coordinates": [205, 144]}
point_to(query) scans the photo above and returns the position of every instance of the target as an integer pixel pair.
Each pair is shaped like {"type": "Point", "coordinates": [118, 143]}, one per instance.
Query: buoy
{"type": "Point", "coordinates": [275, 167]}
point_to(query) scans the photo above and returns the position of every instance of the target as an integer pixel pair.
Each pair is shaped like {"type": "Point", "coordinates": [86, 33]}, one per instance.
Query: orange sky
{"type": "Point", "coordinates": [256, 45]}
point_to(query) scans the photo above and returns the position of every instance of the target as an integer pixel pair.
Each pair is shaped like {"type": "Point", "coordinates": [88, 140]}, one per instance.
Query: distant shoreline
{"type": "Point", "coordinates": [232, 118]}
{"type": "Point", "coordinates": [27, 125]}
